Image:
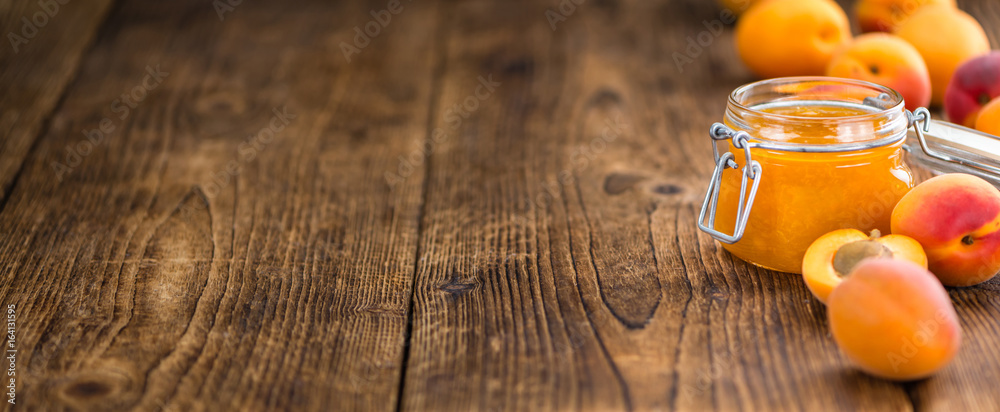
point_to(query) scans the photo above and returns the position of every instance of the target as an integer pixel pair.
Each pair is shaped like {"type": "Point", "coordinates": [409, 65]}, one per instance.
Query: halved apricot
{"type": "Point", "coordinates": [834, 255]}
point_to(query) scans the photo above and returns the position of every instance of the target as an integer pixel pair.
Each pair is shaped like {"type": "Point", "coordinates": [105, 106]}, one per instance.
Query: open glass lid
{"type": "Point", "coordinates": [946, 147]}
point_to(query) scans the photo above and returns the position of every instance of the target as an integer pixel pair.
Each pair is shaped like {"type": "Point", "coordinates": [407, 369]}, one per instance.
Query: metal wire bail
{"type": "Point", "coordinates": [920, 121]}
{"type": "Point", "coordinates": [751, 171]}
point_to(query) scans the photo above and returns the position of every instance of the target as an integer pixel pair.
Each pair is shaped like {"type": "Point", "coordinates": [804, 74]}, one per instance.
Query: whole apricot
{"type": "Point", "coordinates": [893, 319]}
{"type": "Point", "coordinates": [887, 60]}
{"type": "Point", "coordinates": [833, 256]}
{"type": "Point", "coordinates": [974, 84]}
{"type": "Point", "coordinates": [884, 15]}
{"type": "Point", "coordinates": [946, 37]}
{"type": "Point", "coordinates": [780, 38]}
{"type": "Point", "coordinates": [956, 218]}
{"type": "Point", "coordinates": [988, 120]}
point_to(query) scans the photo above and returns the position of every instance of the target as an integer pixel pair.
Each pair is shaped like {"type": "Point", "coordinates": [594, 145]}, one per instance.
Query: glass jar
{"type": "Point", "coordinates": [801, 157]}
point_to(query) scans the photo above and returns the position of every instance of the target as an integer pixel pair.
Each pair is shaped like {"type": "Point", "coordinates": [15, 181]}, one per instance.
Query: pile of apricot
{"type": "Point", "coordinates": [888, 313]}
{"type": "Point", "coordinates": [930, 51]}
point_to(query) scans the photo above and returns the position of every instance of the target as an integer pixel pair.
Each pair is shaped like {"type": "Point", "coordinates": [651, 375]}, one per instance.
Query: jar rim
{"type": "Point", "coordinates": [895, 107]}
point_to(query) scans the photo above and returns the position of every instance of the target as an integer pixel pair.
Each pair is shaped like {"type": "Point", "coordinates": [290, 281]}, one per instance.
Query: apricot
{"type": "Point", "coordinates": [887, 60]}
{"type": "Point", "coordinates": [884, 15]}
{"type": "Point", "coordinates": [956, 218]}
{"type": "Point", "coordinates": [974, 84]}
{"type": "Point", "coordinates": [988, 120]}
{"type": "Point", "coordinates": [834, 255]}
{"type": "Point", "coordinates": [893, 319]}
{"type": "Point", "coordinates": [946, 37]}
{"type": "Point", "coordinates": [780, 38]}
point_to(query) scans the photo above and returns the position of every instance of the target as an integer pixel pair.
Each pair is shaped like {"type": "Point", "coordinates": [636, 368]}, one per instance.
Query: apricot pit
{"type": "Point", "coordinates": [848, 256]}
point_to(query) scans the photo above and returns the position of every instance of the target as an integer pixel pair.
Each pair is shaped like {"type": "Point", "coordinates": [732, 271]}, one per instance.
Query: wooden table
{"type": "Point", "coordinates": [475, 206]}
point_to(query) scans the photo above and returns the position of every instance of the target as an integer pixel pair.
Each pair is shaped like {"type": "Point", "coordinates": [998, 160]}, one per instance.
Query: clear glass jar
{"type": "Point", "coordinates": [810, 155]}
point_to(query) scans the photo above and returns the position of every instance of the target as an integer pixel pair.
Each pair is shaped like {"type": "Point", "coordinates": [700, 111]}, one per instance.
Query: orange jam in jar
{"type": "Point", "coordinates": [810, 155]}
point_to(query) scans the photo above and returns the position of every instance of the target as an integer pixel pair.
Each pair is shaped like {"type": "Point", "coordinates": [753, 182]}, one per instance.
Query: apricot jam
{"type": "Point", "coordinates": [830, 157]}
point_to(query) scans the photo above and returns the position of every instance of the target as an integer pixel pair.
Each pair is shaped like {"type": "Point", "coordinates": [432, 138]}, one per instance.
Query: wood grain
{"type": "Point", "coordinates": [584, 283]}
{"type": "Point", "coordinates": [490, 206]}
{"type": "Point", "coordinates": [150, 278]}
{"type": "Point", "coordinates": [38, 62]}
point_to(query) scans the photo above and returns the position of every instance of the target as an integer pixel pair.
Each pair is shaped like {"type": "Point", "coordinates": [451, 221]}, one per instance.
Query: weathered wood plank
{"type": "Point", "coordinates": [562, 269]}
{"type": "Point", "coordinates": [556, 260]}
{"type": "Point", "coordinates": [37, 61]}
{"type": "Point", "coordinates": [233, 244]}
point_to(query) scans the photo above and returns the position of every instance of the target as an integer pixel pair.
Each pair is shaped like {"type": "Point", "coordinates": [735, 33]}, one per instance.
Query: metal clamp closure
{"type": "Point", "coordinates": [920, 120]}
{"type": "Point", "coordinates": [751, 171]}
